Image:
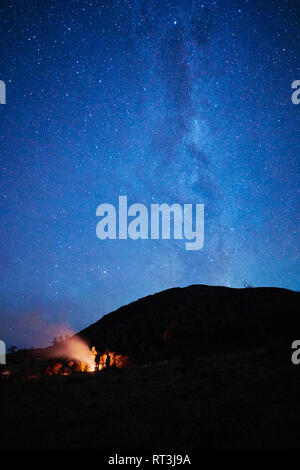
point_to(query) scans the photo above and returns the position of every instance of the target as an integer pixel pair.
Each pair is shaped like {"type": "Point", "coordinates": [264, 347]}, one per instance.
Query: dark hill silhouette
{"type": "Point", "coordinates": [200, 320]}
{"type": "Point", "coordinates": [237, 397]}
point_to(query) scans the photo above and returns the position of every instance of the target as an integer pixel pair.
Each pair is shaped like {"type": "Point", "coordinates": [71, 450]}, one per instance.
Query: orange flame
{"type": "Point", "coordinates": [82, 358]}
{"type": "Point", "coordinates": [115, 360]}
{"type": "Point", "coordinates": [74, 349]}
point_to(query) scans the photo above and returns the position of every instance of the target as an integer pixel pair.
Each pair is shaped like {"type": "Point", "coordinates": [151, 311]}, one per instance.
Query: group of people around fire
{"type": "Point", "coordinates": [98, 360]}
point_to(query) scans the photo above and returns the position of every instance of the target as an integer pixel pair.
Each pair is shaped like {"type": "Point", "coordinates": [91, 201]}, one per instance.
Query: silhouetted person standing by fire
{"type": "Point", "coordinates": [97, 362]}
{"type": "Point", "coordinates": [107, 361]}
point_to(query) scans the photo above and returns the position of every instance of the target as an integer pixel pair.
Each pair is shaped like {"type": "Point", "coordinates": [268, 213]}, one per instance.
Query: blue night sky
{"type": "Point", "coordinates": [165, 102]}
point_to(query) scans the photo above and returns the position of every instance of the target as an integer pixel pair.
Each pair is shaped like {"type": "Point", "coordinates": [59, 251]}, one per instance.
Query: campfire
{"type": "Point", "coordinates": [115, 361]}
{"type": "Point", "coordinates": [74, 355]}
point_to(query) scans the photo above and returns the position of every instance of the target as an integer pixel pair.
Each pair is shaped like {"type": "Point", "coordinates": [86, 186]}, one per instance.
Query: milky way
{"type": "Point", "coordinates": [164, 102]}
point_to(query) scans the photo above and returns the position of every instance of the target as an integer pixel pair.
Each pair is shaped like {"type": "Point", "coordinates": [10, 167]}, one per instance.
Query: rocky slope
{"type": "Point", "coordinates": [200, 320]}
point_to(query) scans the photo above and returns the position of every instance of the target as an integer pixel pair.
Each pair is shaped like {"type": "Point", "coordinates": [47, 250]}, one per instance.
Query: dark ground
{"type": "Point", "coordinates": [238, 400]}
{"type": "Point", "coordinates": [188, 387]}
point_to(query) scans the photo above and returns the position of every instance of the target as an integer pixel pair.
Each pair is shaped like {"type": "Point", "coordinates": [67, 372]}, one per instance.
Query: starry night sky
{"type": "Point", "coordinates": [163, 101]}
